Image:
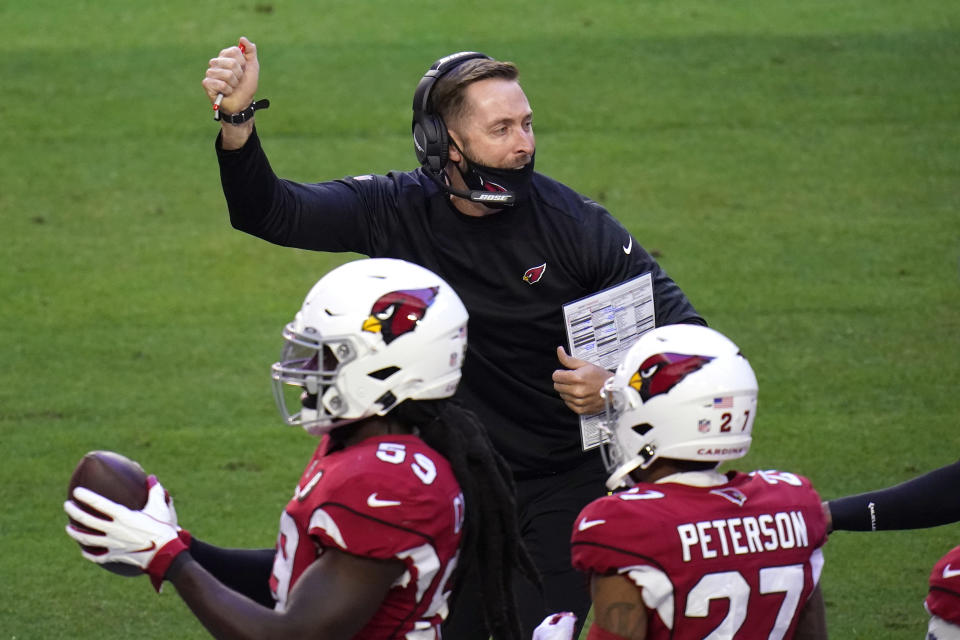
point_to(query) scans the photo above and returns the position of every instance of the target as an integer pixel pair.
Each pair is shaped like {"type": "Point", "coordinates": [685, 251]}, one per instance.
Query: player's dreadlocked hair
{"type": "Point", "coordinates": [491, 532]}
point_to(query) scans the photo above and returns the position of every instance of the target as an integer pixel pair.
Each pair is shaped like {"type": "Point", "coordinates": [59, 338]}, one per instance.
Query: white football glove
{"type": "Point", "coordinates": [556, 626]}
{"type": "Point", "coordinates": [148, 538]}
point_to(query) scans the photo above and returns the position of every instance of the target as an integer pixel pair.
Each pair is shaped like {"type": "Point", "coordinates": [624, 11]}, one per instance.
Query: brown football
{"type": "Point", "coordinates": [115, 477]}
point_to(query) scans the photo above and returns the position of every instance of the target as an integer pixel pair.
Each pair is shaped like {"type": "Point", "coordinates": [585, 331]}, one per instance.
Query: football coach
{"type": "Point", "coordinates": [515, 245]}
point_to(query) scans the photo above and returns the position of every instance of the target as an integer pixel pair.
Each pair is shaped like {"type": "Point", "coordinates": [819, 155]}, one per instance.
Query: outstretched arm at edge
{"type": "Point", "coordinates": [928, 500]}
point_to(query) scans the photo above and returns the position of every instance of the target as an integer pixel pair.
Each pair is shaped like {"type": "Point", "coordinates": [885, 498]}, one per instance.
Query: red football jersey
{"type": "Point", "coordinates": [943, 599]}
{"type": "Point", "coordinates": [386, 497]}
{"type": "Point", "coordinates": [735, 560]}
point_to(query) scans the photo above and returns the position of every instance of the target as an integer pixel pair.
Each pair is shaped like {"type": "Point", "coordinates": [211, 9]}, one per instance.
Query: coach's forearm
{"type": "Point", "coordinates": [235, 136]}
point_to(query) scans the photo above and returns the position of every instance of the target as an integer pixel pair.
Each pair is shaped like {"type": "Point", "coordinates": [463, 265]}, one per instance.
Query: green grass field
{"type": "Point", "coordinates": [795, 166]}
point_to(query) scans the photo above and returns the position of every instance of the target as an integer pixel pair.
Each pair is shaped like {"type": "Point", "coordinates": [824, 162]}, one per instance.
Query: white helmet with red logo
{"type": "Point", "coordinates": [683, 392]}
{"type": "Point", "coordinates": [370, 334]}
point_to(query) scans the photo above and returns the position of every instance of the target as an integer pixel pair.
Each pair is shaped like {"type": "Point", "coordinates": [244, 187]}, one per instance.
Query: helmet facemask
{"type": "Point", "coordinates": [620, 458]}
{"type": "Point", "coordinates": [305, 378]}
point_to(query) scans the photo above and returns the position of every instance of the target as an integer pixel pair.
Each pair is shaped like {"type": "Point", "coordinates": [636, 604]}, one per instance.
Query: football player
{"type": "Point", "coordinates": [403, 490]}
{"type": "Point", "coordinates": [682, 550]}
{"type": "Point", "coordinates": [943, 599]}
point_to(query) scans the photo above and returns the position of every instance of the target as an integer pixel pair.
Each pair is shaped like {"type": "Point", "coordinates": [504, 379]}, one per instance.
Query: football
{"type": "Point", "coordinates": [115, 477]}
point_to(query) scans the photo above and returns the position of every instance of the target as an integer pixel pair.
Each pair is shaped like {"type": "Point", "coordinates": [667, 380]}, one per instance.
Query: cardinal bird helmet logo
{"type": "Point", "coordinates": [661, 372]}
{"type": "Point", "coordinates": [398, 312]}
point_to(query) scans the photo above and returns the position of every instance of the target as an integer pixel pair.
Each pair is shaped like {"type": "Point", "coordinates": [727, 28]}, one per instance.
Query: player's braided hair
{"type": "Point", "coordinates": [491, 540]}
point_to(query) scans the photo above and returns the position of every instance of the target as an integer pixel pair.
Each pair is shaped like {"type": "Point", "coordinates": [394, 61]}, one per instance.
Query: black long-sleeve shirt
{"type": "Point", "coordinates": [515, 324]}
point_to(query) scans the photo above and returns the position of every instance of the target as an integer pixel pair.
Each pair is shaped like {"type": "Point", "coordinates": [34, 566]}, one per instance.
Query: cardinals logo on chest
{"type": "Point", "coordinates": [398, 312]}
{"type": "Point", "coordinates": [533, 274]}
{"type": "Point", "coordinates": [661, 372]}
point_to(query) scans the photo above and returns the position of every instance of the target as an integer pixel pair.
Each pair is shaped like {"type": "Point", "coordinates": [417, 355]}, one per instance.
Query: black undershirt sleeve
{"type": "Point", "coordinates": [929, 500]}
{"type": "Point", "coordinates": [246, 571]}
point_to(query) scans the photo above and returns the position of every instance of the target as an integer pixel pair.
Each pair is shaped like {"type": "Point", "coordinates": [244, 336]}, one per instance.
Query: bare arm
{"type": "Point", "coordinates": [618, 607]}
{"type": "Point", "coordinates": [246, 571]}
{"type": "Point", "coordinates": [333, 599]}
{"type": "Point", "coordinates": [812, 624]}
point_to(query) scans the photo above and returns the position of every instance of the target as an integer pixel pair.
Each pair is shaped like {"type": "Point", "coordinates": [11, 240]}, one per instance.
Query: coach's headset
{"type": "Point", "coordinates": [431, 141]}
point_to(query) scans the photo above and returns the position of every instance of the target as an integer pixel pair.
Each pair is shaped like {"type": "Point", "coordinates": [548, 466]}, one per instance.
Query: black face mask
{"type": "Point", "coordinates": [482, 178]}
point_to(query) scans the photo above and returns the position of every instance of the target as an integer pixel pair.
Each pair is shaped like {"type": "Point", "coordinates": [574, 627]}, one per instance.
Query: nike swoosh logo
{"type": "Point", "coordinates": [627, 248]}
{"type": "Point", "coordinates": [950, 573]}
{"type": "Point", "coordinates": [646, 495]}
{"type": "Point", "coordinates": [586, 524]}
{"type": "Point", "coordinates": [374, 501]}
{"type": "Point", "coordinates": [153, 545]}
{"type": "Point", "coordinates": [300, 494]}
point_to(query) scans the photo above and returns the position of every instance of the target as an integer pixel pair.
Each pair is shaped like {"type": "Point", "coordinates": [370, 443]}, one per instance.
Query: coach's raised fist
{"type": "Point", "coordinates": [234, 73]}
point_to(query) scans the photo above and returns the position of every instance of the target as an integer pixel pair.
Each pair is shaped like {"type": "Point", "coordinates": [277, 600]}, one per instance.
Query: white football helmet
{"type": "Point", "coordinates": [682, 391]}
{"type": "Point", "coordinates": [370, 334]}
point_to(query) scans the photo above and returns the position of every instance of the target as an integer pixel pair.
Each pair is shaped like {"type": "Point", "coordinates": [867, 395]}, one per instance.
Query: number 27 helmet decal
{"type": "Point", "coordinates": [369, 335]}
{"type": "Point", "coordinates": [683, 392]}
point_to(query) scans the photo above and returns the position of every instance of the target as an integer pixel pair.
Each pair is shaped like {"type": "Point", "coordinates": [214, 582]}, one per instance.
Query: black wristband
{"type": "Point", "coordinates": [246, 114]}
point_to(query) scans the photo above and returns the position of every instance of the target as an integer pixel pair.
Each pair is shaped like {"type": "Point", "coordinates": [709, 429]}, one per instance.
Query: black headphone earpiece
{"type": "Point", "coordinates": [431, 141]}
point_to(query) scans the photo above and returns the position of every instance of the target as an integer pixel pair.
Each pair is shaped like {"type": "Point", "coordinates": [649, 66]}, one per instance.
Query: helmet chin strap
{"type": "Point", "coordinates": [309, 415]}
{"type": "Point", "coordinates": [621, 476]}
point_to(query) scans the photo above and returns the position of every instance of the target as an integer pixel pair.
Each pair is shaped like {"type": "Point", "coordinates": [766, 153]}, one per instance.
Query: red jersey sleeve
{"type": "Point", "coordinates": [943, 598]}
